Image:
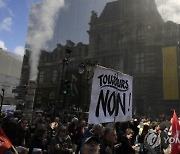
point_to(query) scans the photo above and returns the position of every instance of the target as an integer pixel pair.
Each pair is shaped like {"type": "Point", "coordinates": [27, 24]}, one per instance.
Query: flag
{"type": "Point", "coordinates": [4, 142]}
{"type": "Point", "coordinates": [175, 146]}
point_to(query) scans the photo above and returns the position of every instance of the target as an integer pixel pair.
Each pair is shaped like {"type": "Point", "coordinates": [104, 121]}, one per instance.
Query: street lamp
{"type": "Point", "coordinates": [64, 76]}
{"type": "Point", "coordinates": [2, 98]}
{"type": "Point", "coordinates": [86, 70]}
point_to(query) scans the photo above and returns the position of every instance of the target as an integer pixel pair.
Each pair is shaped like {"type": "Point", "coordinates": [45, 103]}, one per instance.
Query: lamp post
{"type": "Point", "coordinates": [64, 76]}
{"type": "Point", "coordinates": [86, 71]}
{"type": "Point", "coordinates": [2, 98]}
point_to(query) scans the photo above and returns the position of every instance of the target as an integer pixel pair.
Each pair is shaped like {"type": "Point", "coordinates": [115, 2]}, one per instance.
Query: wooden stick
{"type": "Point", "coordinates": [14, 149]}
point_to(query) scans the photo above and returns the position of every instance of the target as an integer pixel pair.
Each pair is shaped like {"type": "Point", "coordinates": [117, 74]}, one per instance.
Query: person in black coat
{"type": "Point", "coordinates": [39, 140]}
{"type": "Point", "coordinates": [61, 143]}
{"type": "Point", "coordinates": [126, 147]}
{"type": "Point", "coordinates": [107, 144]}
{"type": "Point", "coordinates": [72, 129]}
{"type": "Point", "coordinates": [10, 128]}
{"type": "Point", "coordinates": [23, 134]}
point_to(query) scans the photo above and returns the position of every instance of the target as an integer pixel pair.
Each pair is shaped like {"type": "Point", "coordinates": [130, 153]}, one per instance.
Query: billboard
{"type": "Point", "coordinates": [170, 73]}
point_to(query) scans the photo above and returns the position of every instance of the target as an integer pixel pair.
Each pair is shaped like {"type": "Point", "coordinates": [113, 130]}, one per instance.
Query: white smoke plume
{"type": "Point", "coordinates": [40, 31]}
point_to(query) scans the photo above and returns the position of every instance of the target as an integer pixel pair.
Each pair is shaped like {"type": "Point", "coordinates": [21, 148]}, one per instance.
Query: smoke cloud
{"type": "Point", "coordinates": [40, 31]}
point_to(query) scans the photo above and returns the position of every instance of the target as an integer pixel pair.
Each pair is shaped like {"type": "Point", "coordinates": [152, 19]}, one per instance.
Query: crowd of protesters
{"type": "Point", "coordinates": [63, 135]}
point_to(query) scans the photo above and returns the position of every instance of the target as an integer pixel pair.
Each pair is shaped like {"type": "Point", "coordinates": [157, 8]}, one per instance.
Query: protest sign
{"type": "Point", "coordinates": [111, 96]}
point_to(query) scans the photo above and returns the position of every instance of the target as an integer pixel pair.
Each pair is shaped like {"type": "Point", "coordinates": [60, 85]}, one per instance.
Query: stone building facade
{"type": "Point", "coordinates": [127, 36]}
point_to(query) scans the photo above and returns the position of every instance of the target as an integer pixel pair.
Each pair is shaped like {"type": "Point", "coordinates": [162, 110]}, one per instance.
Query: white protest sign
{"type": "Point", "coordinates": [8, 109]}
{"type": "Point", "coordinates": [111, 96]}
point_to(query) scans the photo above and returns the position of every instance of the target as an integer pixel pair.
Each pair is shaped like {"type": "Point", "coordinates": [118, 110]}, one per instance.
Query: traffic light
{"type": "Point", "coordinates": [66, 87]}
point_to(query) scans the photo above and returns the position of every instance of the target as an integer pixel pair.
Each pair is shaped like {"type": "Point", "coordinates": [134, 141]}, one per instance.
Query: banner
{"type": "Point", "coordinates": [4, 142]}
{"type": "Point", "coordinates": [170, 76]}
{"type": "Point", "coordinates": [111, 96]}
{"type": "Point", "coordinates": [8, 109]}
{"type": "Point", "coordinates": [175, 145]}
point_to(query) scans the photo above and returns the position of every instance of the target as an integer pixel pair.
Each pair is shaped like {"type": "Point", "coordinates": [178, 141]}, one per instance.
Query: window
{"type": "Point", "coordinates": [150, 63]}
{"type": "Point", "coordinates": [52, 95]}
{"type": "Point", "coordinates": [41, 76]}
{"type": "Point", "coordinates": [54, 76]}
{"type": "Point", "coordinates": [139, 62]}
{"type": "Point", "coordinates": [140, 34]}
{"type": "Point", "coordinates": [117, 63]}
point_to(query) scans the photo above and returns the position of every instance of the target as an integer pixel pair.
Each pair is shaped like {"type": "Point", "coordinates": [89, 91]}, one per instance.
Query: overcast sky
{"type": "Point", "coordinates": [169, 9]}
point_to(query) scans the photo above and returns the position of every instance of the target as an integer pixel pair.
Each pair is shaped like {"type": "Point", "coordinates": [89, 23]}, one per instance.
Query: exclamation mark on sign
{"type": "Point", "coordinates": [129, 101]}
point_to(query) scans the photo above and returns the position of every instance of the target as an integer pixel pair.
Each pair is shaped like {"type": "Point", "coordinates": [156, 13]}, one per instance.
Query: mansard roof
{"type": "Point", "coordinates": [130, 10]}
